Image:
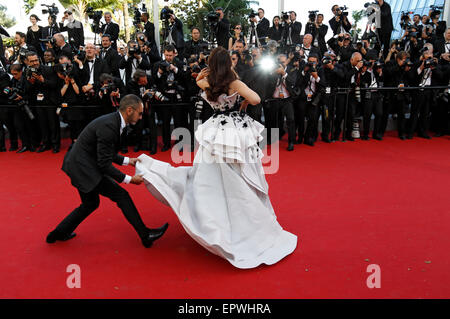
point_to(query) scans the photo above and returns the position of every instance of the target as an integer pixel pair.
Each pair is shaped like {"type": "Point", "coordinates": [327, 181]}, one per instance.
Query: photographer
{"type": "Point", "coordinates": [196, 45]}
{"type": "Point", "coordinates": [7, 115]}
{"type": "Point", "coordinates": [133, 60]}
{"type": "Point", "coordinates": [68, 84]}
{"type": "Point", "coordinates": [339, 24]}
{"type": "Point", "coordinates": [176, 36]}
{"type": "Point", "coordinates": [24, 119]}
{"type": "Point", "coordinates": [110, 92]}
{"type": "Point", "coordinates": [22, 49]}
{"type": "Point", "coordinates": [311, 84]}
{"type": "Point", "coordinates": [74, 29]}
{"type": "Point", "coordinates": [351, 72]}
{"type": "Point", "coordinates": [372, 100]}
{"type": "Point", "coordinates": [425, 74]}
{"type": "Point", "coordinates": [397, 73]}
{"type": "Point", "coordinates": [110, 28]}
{"type": "Point", "coordinates": [168, 75]}
{"type": "Point", "coordinates": [61, 47]}
{"type": "Point", "coordinates": [412, 45]}
{"type": "Point", "coordinates": [386, 27]}
{"type": "Point", "coordinates": [292, 30]}
{"type": "Point", "coordinates": [318, 30]}
{"type": "Point", "coordinates": [147, 27]}
{"type": "Point", "coordinates": [50, 30]}
{"type": "Point", "coordinates": [341, 45]}
{"type": "Point", "coordinates": [262, 26]}
{"type": "Point", "coordinates": [223, 27]}
{"type": "Point", "coordinates": [308, 48]}
{"type": "Point", "coordinates": [442, 46]}
{"type": "Point", "coordinates": [41, 91]}
{"type": "Point", "coordinates": [331, 75]}
{"type": "Point", "coordinates": [149, 50]}
{"type": "Point", "coordinates": [141, 85]}
{"type": "Point", "coordinates": [434, 29]}
{"type": "Point", "coordinates": [49, 58]}
{"type": "Point", "coordinates": [280, 102]}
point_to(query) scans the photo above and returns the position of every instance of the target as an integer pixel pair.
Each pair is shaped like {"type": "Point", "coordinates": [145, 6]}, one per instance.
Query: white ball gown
{"type": "Point", "coordinates": [222, 200]}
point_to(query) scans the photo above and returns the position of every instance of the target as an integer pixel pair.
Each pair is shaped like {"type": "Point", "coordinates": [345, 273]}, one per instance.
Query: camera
{"type": "Point", "coordinates": [108, 88]}
{"type": "Point", "coordinates": [96, 16]}
{"type": "Point", "coordinates": [285, 16]}
{"type": "Point", "coordinates": [12, 94]}
{"type": "Point", "coordinates": [378, 65]}
{"type": "Point", "coordinates": [311, 67]}
{"type": "Point", "coordinates": [30, 70]}
{"type": "Point", "coordinates": [196, 69]}
{"type": "Point", "coordinates": [166, 12]}
{"type": "Point", "coordinates": [51, 10]}
{"type": "Point", "coordinates": [164, 66]}
{"type": "Point", "coordinates": [132, 50]}
{"type": "Point", "coordinates": [67, 69]}
{"type": "Point", "coordinates": [252, 15]}
{"type": "Point", "coordinates": [327, 60]}
{"type": "Point", "coordinates": [312, 15]}
{"type": "Point", "coordinates": [81, 54]}
{"type": "Point", "coordinates": [430, 62]}
{"type": "Point", "coordinates": [342, 11]}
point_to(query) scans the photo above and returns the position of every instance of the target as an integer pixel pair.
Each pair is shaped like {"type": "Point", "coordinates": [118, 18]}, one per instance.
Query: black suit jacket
{"type": "Point", "coordinates": [262, 28]}
{"type": "Point", "coordinates": [92, 155]}
{"type": "Point", "coordinates": [149, 31]}
{"type": "Point", "coordinates": [177, 35]}
{"type": "Point", "coordinates": [295, 32]}
{"type": "Point", "coordinates": [113, 30]}
{"type": "Point", "coordinates": [112, 59]}
{"type": "Point", "coordinates": [334, 25]}
{"type": "Point", "coordinates": [223, 33]}
{"type": "Point", "coordinates": [75, 33]}
{"type": "Point", "coordinates": [100, 67]}
{"type": "Point", "coordinates": [128, 65]}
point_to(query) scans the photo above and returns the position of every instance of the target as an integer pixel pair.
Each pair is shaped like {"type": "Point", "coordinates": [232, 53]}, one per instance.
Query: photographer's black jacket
{"type": "Point", "coordinates": [99, 68]}
{"type": "Point", "coordinates": [161, 82]}
{"type": "Point", "coordinates": [223, 33]}
{"type": "Point", "coordinates": [113, 30]}
{"type": "Point", "coordinates": [127, 64]}
{"type": "Point", "coordinates": [335, 25]}
{"type": "Point", "coordinates": [304, 80]}
{"type": "Point", "coordinates": [47, 88]}
{"type": "Point", "coordinates": [296, 30]}
{"type": "Point", "coordinates": [262, 28]}
{"type": "Point", "coordinates": [75, 33]}
{"type": "Point", "coordinates": [194, 47]}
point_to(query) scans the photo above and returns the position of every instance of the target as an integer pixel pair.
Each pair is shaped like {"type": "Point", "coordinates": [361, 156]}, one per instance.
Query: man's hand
{"type": "Point", "coordinates": [40, 78]}
{"type": "Point", "coordinates": [133, 161]}
{"type": "Point", "coordinates": [136, 179]}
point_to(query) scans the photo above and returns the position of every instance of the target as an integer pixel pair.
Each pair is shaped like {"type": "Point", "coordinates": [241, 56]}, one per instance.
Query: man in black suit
{"type": "Point", "coordinates": [262, 27]}
{"type": "Point", "coordinates": [41, 91]}
{"type": "Point", "coordinates": [318, 30]}
{"type": "Point", "coordinates": [307, 47]}
{"type": "Point", "coordinates": [110, 55]}
{"type": "Point", "coordinates": [339, 24]}
{"type": "Point", "coordinates": [292, 30]}
{"type": "Point", "coordinates": [148, 28]}
{"type": "Point", "coordinates": [386, 27]}
{"type": "Point", "coordinates": [176, 36]}
{"type": "Point", "coordinates": [62, 48]}
{"type": "Point", "coordinates": [2, 49]}
{"type": "Point", "coordinates": [89, 166]}
{"type": "Point", "coordinates": [196, 45]}
{"type": "Point", "coordinates": [223, 29]}
{"type": "Point", "coordinates": [442, 46]}
{"type": "Point", "coordinates": [110, 28]}
{"type": "Point", "coordinates": [90, 73]}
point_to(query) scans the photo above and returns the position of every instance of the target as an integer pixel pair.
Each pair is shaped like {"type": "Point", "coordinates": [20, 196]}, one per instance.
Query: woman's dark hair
{"type": "Point", "coordinates": [35, 16]}
{"type": "Point", "coordinates": [220, 74]}
{"type": "Point", "coordinates": [273, 20]}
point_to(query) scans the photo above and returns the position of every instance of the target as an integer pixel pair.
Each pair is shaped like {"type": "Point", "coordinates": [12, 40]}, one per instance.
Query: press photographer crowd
{"type": "Point", "coordinates": [49, 77]}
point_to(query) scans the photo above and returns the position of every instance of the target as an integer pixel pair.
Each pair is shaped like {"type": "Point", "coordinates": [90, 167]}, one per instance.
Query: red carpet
{"type": "Point", "coordinates": [351, 204]}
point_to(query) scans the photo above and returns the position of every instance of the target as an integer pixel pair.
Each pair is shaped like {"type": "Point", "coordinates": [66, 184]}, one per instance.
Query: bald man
{"type": "Point", "coordinates": [308, 47]}
{"type": "Point", "coordinates": [351, 78]}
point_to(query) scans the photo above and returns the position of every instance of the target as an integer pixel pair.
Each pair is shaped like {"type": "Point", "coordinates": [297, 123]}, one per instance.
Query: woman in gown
{"type": "Point", "coordinates": [222, 200]}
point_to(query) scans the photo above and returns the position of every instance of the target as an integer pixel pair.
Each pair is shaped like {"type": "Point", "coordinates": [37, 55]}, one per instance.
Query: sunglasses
{"type": "Point", "coordinates": [237, 28]}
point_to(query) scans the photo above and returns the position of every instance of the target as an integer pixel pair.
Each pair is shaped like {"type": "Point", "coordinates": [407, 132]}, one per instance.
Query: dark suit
{"type": "Point", "coordinates": [66, 50]}
{"type": "Point", "coordinates": [127, 64]}
{"type": "Point", "coordinates": [335, 26]}
{"type": "Point", "coordinates": [176, 31]}
{"type": "Point", "coordinates": [292, 30]}
{"type": "Point", "coordinates": [112, 29]}
{"type": "Point", "coordinates": [319, 34]}
{"type": "Point", "coordinates": [89, 166]}
{"type": "Point", "coordinates": [112, 59]}
{"type": "Point", "coordinates": [262, 28]}
{"type": "Point", "coordinates": [149, 31]}
{"type": "Point", "coordinates": [75, 33]}
{"type": "Point", "coordinates": [386, 28]}
{"type": "Point", "coordinates": [223, 33]}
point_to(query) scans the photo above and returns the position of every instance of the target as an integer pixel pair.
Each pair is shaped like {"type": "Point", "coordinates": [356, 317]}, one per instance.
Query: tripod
{"type": "Point", "coordinates": [254, 32]}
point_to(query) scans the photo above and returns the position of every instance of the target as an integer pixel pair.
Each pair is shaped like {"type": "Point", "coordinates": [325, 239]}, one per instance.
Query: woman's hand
{"type": "Point", "coordinates": [244, 105]}
{"type": "Point", "coordinates": [204, 73]}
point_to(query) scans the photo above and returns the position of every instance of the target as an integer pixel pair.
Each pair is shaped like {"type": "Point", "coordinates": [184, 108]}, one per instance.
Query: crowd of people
{"type": "Point", "coordinates": [300, 77]}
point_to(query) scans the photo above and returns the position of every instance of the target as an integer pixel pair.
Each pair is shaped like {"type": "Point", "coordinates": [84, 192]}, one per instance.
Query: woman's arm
{"type": "Point", "coordinates": [251, 96]}
{"type": "Point", "coordinates": [230, 44]}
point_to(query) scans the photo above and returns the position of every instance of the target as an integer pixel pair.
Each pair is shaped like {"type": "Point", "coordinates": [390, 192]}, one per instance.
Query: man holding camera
{"type": "Point", "coordinates": [41, 90]}
{"type": "Point", "coordinates": [110, 28]}
{"type": "Point", "coordinates": [168, 75]}
{"type": "Point", "coordinates": [223, 29]}
{"type": "Point", "coordinates": [318, 30]}
{"type": "Point", "coordinates": [372, 100]}
{"type": "Point", "coordinates": [133, 60]}
{"type": "Point", "coordinates": [7, 115]}
{"type": "Point", "coordinates": [311, 83]}
{"type": "Point", "coordinates": [23, 118]}
{"type": "Point", "coordinates": [141, 85]}
{"type": "Point", "coordinates": [74, 30]}
{"type": "Point", "coordinates": [386, 27]}
{"type": "Point", "coordinates": [339, 24]}
{"type": "Point", "coordinates": [176, 37]}
{"type": "Point", "coordinates": [397, 73]}
{"type": "Point", "coordinates": [292, 30]}
{"type": "Point", "coordinates": [262, 27]}
{"type": "Point", "coordinates": [20, 54]}
{"type": "Point", "coordinates": [425, 74]}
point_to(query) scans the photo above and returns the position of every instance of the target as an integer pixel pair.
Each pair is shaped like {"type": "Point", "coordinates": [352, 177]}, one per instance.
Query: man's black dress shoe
{"type": "Point", "coordinates": [409, 136]}
{"type": "Point", "coordinates": [350, 138]}
{"type": "Point", "coordinates": [55, 235]}
{"type": "Point", "coordinates": [309, 142]}
{"type": "Point", "coordinates": [365, 138]}
{"type": "Point", "coordinates": [124, 150]}
{"type": "Point", "coordinates": [56, 150]}
{"type": "Point", "coordinates": [326, 140]}
{"type": "Point", "coordinates": [377, 137]}
{"type": "Point", "coordinates": [154, 234]}
{"type": "Point", "coordinates": [165, 148]}
{"type": "Point", "coordinates": [438, 135]}
{"type": "Point", "coordinates": [290, 147]}
{"type": "Point", "coordinates": [153, 151]}
{"type": "Point", "coordinates": [13, 148]}
{"type": "Point", "coordinates": [23, 149]}
{"type": "Point", "coordinates": [402, 137]}
{"type": "Point", "coordinates": [43, 148]}
{"type": "Point", "coordinates": [137, 148]}
{"type": "Point", "coordinates": [425, 135]}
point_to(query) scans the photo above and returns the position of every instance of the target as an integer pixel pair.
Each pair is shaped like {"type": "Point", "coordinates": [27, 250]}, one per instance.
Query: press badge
{"type": "Point", "coordinates": [40, 97]}
{"type": "Point", "coordinates": [309, 97]}
{"type": "Point", "coordinates": [328, 90]}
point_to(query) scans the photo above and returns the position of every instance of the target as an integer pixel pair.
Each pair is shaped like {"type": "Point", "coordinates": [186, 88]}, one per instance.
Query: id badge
{"type": "Point", "coordinates": [328, 90]}
{"type": "Point", "coordinates": [40, 97]}
{"type": "Point", "coordinates": [281, 96]}
{"type": "Point", "coordinates": [309, 97]}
